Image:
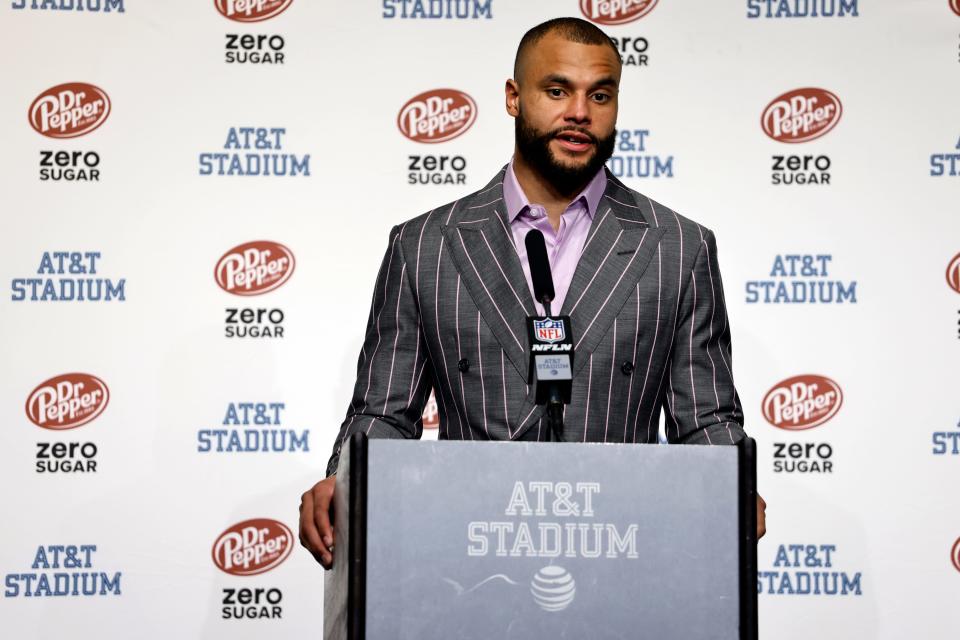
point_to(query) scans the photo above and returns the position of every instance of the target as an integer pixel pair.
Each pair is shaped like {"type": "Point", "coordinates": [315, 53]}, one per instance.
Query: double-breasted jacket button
{"type": "Point", "coordinates": [463, 365]}
{"type": "Point", "coordinates": [626, 367]}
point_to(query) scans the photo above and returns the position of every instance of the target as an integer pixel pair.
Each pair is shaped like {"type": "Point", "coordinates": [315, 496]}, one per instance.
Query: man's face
{"type": "Point", "coordinates": [565, 106]}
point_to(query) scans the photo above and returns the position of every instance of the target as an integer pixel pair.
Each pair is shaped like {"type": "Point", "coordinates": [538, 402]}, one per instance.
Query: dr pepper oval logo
{"type": "Point", "coordinates": [953, 270]}
{"type": "Point", "coordinates": [802, 402]}
{"type": "Point", "coordinates": [69, 110]}
{"type": "Point", "coordinates": [955, 554]}
{"type": "Point", "coordinates": [801, 115]}
{"type": "Point", "coordinates": [254, 268]}
{"type": "Point", "coordinates": [955, 5]}
{"type": "Point", "coordinates": [613, 12]}
{"type": "Point", "coordinates": [437, 115]}
{"type": "Point", "coordinates": [251, 10]}
{"type": "Point", "coordinates": [252, 546]}
{"type": "Point", "coordinates": [431, 416]}
{"type": "Point", "coordinates": [67, 401]}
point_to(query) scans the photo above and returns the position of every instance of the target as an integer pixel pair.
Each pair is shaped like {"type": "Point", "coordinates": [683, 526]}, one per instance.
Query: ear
{"type": "Point", "coordinates": [511, 92]}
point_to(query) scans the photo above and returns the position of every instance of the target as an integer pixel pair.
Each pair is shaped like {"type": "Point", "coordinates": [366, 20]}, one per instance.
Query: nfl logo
{"type": "Point", "coordinates": [548, 330]}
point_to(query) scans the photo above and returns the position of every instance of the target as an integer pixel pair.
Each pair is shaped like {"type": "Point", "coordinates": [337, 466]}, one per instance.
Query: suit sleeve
{"type": "Point", "coordinates": [701, 400]}
{"type": "Point", "coordinates": [394, 376]}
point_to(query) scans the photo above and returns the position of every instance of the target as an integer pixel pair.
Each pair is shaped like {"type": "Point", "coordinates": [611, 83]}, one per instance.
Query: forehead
{"type": "Point", "coordinates": [555, 55]}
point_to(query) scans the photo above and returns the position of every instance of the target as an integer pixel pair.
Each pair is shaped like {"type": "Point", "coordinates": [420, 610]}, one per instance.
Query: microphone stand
{"type": "Point", "coordinates": [554, 398]}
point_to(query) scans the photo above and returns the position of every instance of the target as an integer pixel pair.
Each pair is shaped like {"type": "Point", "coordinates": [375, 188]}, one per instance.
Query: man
{"type": "Point", "coordinates": [640, 283]}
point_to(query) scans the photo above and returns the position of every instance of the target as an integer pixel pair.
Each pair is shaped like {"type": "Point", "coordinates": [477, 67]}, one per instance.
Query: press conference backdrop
{"type": "Point", "coordinates": [196, 197]}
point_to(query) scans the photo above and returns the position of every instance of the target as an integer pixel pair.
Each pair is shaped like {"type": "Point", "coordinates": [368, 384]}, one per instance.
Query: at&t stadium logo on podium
{"type": "Point", "coordinates": [548, 521]}
{"type": "Point", "coordinates": [553, 588]}
{"type": "Point", "coordinates": [549, 330]}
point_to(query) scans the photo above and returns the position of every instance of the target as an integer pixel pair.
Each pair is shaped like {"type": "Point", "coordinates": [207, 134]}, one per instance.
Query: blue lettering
{"type": "Point", "coordinates": [206, 168]}
{"type": "Point", "coordinates": [301, 443]}
{"type": "Point", "coordinates": [18, 291]}
{"type": "Point", "coordinates": [849, 293]}
{"type": "Point", "coordinates": [13, 587]}
{"type": "Point", "coordinates": [232, 417]}
{"type": "Point", "coordinates": [850, 585]}
{"type": "Point", "coordinates": [110, 586]}
{"type": "Point", "coordinates": [40, 560]}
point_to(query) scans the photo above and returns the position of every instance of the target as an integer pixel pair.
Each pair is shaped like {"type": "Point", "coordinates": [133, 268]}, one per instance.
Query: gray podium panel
{"type": "Point", "coordinates": [550, 540]}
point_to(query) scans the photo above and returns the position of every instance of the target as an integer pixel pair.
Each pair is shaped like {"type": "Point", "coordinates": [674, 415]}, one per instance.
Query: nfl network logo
{"type": "Point", "coordinates": [548, 330]}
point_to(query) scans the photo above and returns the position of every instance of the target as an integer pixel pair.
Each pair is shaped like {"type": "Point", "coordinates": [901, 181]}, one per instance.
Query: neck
{"type": "Point", "coordinates": [540, 191]}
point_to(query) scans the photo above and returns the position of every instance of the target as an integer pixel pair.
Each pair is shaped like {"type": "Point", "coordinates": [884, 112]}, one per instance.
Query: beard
{"type": "Point", "coordinates": [534, 146]}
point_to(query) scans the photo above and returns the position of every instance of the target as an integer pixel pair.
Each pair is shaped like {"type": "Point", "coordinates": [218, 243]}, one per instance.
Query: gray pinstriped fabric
{"type": "Point", "coordinates": [646, 291]}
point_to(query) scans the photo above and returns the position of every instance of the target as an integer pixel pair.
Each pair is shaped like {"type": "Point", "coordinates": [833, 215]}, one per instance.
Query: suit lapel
{"type": "Point", "coordinates": [481, 245]}
{"type": "Point", "coordinates": [619, 247]}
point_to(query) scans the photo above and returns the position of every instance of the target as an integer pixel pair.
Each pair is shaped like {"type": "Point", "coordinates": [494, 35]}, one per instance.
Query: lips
{"type": "Point", "coordinates": [574, 140]}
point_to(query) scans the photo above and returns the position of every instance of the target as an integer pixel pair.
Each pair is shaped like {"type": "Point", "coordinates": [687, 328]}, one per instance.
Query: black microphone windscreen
{"type": "Point", "coordinates": [539, 266]}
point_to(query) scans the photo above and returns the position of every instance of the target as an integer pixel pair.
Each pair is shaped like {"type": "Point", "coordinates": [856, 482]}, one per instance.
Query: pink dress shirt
{"type": "Point", "coordinates": [564, 245]}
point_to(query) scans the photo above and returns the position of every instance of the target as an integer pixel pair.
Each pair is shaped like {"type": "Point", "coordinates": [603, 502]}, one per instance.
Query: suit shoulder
{"type": "Point", "coordinates": [429, 224]}
{"type": "Point", "coordinates": [657, 214]}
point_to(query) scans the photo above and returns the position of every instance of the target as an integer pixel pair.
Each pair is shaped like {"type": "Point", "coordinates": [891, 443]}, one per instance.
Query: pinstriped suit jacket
{"type": "Point", "coordinates": [648, 318]}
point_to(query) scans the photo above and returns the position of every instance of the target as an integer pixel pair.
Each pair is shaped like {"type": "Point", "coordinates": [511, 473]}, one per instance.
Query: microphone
{"type": "Point", "coordinates": [551, 340]}
{"type": "Point", "coordinates": [539, 268]}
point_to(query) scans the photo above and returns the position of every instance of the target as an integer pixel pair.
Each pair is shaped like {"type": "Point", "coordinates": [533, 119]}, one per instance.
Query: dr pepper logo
{"type": "Point", "coordinates": [955, 5]}
{"type": "Point", "coordinates": [802, 402]}
{"type": "Point", "coordinates": [252, 546]}
{"type": "Point", "coordinates": [69, 110]}
{"type": "Point", "coordinates": [955, 554]}
{"type": "Point", "coordinates": [431, 416]}
{"type": "Point", "coordinates": [612, 12]}
{"type": "Point", "coordinates": [953, 270]}
{"type": "Point", "coordinates": [801, 115]}
{"type": "Point", "coordinates": [254, 268]}
{"type": "Point", "coordinates": [251, 10]}
{"type": "Point", "coordinates": [437, 116]}
{"type": "Point", "coordinates": [67, 401]}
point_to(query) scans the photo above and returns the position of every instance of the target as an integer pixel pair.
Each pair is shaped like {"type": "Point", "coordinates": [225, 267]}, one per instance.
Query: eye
{"type": "Point", "coordinates": [555, 92]}
{"type": "Point", "coordinates": [601, 97]}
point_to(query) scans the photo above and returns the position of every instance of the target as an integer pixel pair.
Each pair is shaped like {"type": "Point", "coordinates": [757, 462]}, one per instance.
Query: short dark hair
{"type": "Point", "coordinates": [572, 29]}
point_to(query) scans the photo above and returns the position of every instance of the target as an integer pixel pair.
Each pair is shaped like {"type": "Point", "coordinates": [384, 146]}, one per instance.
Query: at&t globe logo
{"type": "Point", "coordinates": [553, 588]}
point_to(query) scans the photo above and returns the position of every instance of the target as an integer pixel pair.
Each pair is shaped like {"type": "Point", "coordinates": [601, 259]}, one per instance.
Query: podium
{"type": "Point", "coordinates": [453, 539]}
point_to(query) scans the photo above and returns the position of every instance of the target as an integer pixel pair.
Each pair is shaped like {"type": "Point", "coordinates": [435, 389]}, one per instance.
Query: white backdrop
{"type": "Point", "coordinates": [885, 516]}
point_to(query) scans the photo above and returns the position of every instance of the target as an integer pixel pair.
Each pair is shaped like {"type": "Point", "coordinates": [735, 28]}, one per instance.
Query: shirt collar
{"type": "Point", "coordinates": [516, 200]}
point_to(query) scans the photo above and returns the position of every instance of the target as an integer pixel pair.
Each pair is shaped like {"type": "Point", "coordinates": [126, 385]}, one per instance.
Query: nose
{"type": "Point", "coordinates": [578, 109]}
